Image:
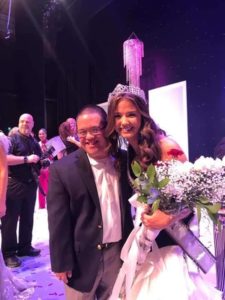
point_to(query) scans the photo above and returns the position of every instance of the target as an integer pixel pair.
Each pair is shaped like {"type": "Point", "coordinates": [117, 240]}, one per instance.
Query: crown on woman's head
{"type": "Point", "coordinates": [131, 89]}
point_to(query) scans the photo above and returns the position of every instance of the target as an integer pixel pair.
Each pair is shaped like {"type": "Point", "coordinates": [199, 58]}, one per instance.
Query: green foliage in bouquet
{"type": "Point", "coordinates": [153, 191]}
{"type": "Point", "coordinates": [212, 209]}
{"type": "Point", "coordinates": [148, 185]}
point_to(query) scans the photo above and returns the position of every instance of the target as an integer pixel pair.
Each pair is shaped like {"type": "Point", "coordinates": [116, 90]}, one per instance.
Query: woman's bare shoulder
{"type": "Point", "coordinates": [171, 149]}
{"type": "Point", "coordinates": [168, 142]}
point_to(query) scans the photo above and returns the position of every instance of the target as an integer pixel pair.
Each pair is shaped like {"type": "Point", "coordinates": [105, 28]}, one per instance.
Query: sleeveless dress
{"type": "Point", "coordinates": [159, 273]}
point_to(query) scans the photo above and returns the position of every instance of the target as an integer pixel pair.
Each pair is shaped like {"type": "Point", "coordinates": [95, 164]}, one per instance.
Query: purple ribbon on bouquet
{"type": "Point", "coordinates": [192, 246]}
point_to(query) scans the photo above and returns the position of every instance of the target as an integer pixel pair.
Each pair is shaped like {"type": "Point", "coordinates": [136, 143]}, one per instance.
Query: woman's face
{"type": "Point", "coordinates": [42, 135]}
{"type": "Point", "coordinates": [127, 120]}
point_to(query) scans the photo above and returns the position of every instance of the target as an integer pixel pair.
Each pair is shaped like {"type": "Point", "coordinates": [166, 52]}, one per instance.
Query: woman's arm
{"type": "Point", "coordinates": [72, 139]}
{"type": "Point", "coordinates": [3, 181]}
{"type": "Point", "coordinates": [61, 154]}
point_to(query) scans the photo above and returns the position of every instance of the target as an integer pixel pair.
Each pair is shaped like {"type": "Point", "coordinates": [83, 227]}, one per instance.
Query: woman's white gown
{"type": "Point", "coordinates": [160, 274]}
{"type": "Point", "coordinates": [12, 287]}
{"type": "Point", "coordinates": [165, 276]}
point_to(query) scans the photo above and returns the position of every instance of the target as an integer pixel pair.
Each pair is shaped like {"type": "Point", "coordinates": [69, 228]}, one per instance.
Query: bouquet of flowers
{"type": "Point", "coordinates": [172, 186]}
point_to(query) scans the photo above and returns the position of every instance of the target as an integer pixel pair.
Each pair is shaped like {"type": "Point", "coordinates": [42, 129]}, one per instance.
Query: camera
{"type": "Point", "coordinates": [45, 159]}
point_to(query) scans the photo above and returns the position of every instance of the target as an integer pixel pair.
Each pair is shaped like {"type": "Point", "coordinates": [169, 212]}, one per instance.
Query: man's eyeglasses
{"type": "Point", "coordinates": [92, 130]}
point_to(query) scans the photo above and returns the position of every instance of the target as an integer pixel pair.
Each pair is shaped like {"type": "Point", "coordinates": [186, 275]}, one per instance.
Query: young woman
{"type": "Point", "coordinates": [128, 117]}
{"type": "Point", "coordinates": [66, 135]}
{"type": "Point", "coordinates": [44, 172]}
{"type": "Point", "coordinates": [163, 273]}
{"type": "Point", "coordinates": [73, 138]}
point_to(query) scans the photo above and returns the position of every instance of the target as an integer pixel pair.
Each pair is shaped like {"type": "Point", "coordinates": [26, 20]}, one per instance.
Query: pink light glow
{"type": "Point", "coordinates": [133, 51]}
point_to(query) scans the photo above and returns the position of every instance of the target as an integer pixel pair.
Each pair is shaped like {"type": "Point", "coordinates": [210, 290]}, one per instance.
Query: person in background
{"type": "Point", "coordinates": [65, 132]}
{"type": "Point", "coordinates": [3, 180]}
{"type": "Point", "coordinates": [73, 126]}
{"type": "Point", "coordinates": [219, 151]}
{"type": "Point", "coordinates": [44, 172]}
{"type": "Point", "coordinates": [23, 161]}
{"type": "Point", "coordinates": [13, 131]}
{"type": "Point", "coordinates": [88, 212]}
{"type": "Point", "coordinates": [219, 235]}
{"type": "Point", "coordinates": [73, 138]}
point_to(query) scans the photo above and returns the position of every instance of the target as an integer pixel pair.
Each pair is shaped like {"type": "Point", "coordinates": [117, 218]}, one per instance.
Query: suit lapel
{"type": "Point", "coordinates": [87, 176]}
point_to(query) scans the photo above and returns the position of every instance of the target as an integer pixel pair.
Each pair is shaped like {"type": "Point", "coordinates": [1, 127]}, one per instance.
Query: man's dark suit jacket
{"type": "Point", "coordinates": [75, 221]}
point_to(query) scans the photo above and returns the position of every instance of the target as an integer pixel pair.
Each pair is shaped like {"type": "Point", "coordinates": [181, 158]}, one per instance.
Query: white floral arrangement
{"type": "Point", "coordinates": [172, 185]}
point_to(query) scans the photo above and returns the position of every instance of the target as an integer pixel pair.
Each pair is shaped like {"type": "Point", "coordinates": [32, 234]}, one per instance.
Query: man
{"type": "Point", "coordinates": [22, 159]}
{"type": "Point", "coordinates": [89, 215]}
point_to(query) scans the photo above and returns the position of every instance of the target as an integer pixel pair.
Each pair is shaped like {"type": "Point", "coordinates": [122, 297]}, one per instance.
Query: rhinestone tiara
{"type": "Point", "coordinates": [120, 89]}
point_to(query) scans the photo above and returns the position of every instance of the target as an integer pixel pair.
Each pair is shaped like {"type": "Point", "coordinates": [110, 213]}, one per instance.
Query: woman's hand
{"type": "Point", "coordinates": [72, 139]}
{"type": "Point", "coordinates": [160, 220]}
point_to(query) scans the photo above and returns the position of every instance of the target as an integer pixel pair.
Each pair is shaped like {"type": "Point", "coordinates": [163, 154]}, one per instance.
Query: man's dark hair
{"type": "Point", "coordinates": [96, 109]}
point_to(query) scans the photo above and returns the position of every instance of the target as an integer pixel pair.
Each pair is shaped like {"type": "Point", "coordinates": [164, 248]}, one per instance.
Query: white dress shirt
{"type": "Point", "coordinates": [106, 179]}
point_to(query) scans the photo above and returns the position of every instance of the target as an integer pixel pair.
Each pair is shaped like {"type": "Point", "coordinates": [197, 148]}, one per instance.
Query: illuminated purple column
{"type": "Point", "coordinates": [133, 51]}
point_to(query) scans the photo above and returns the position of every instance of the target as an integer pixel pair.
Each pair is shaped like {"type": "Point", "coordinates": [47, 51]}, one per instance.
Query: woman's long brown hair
{"type": "Point", "coordinates": [148, 139]}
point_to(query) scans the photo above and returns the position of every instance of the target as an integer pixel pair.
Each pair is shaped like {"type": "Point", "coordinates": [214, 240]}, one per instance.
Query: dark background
{"type": "Point", "coordinates": [76, 58]}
